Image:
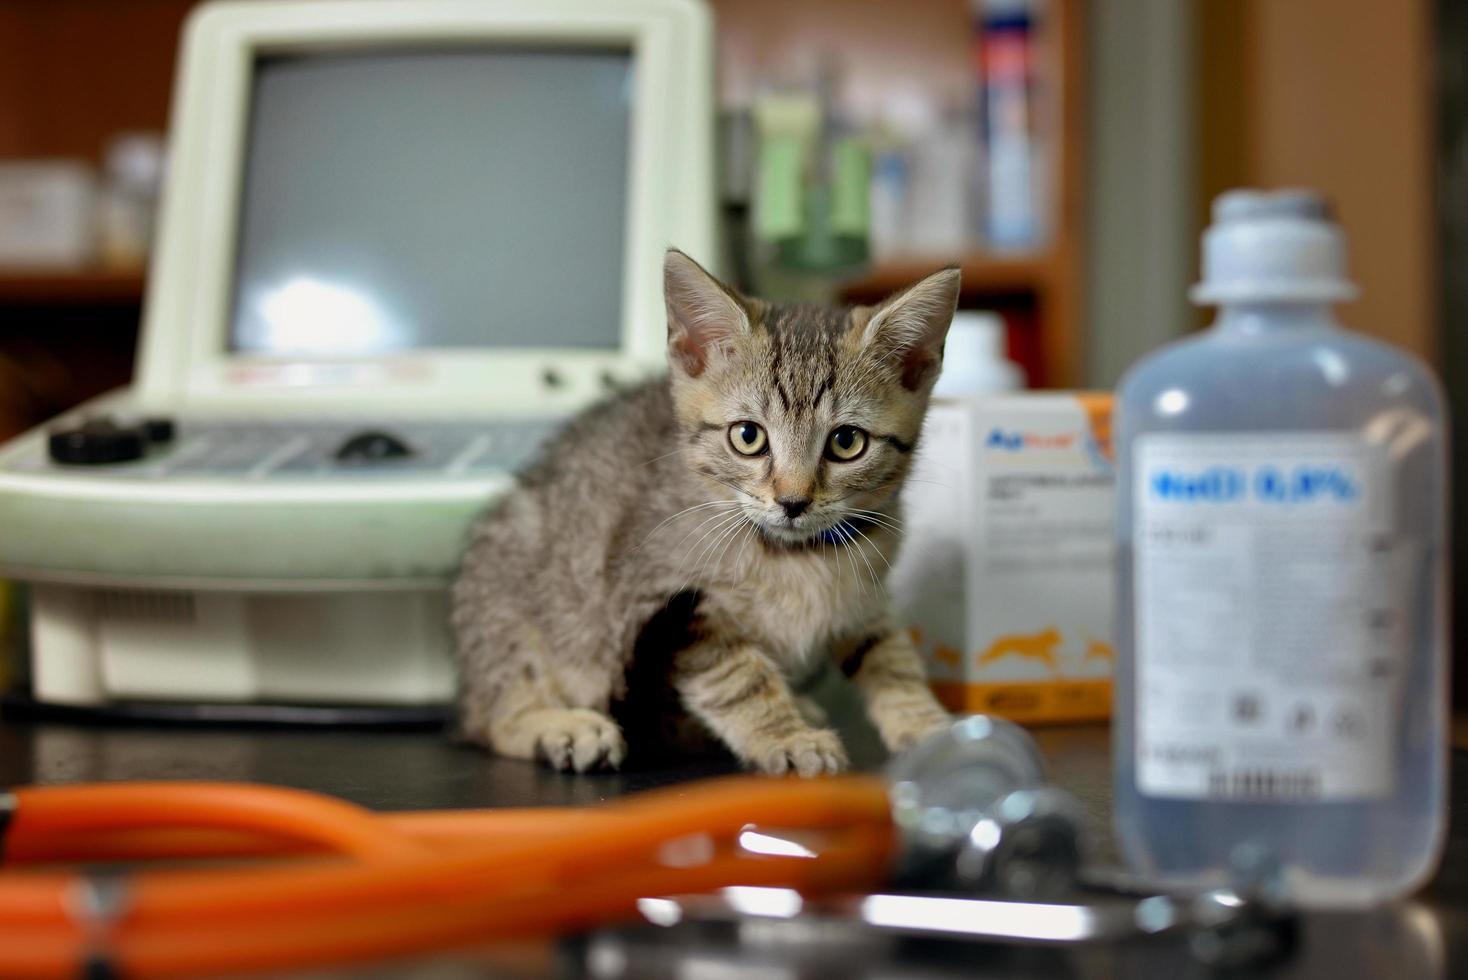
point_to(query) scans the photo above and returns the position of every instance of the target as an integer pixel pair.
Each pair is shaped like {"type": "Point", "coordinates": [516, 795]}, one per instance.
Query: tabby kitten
{"type": "Point", "coordinates": [755, 488]}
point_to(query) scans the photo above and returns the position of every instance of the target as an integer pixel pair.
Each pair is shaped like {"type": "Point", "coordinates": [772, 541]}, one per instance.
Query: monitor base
{"type": "Point", "coordinates": [101, 646]}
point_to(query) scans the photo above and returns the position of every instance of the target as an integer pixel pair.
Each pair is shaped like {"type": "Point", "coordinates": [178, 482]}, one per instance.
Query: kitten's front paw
{"type": "Point", "coordinates": [579, 739]}
{"type": "Point", "coordinates": [903, 735]}
{"type": "Point", "coordinates": [809, 752]}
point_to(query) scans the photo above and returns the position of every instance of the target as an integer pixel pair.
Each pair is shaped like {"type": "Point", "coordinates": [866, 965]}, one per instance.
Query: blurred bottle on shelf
{"type": "Point", "coordinates": [47, 209]}
{"type": "Point", "coordinates": [1005, 38]}
{"type": "Point", "coordinates": [906, 172]}
{"type": "Point", "coordinates": [942, 201]}
{"type": "Point", "coordinates": [925, 180]}
{"type": "Point", "coordinates": [811, 192]}
{"type": "Point", "coordinates": [891, 184]}
{"type": "Point", "coordinates": [129, 200]}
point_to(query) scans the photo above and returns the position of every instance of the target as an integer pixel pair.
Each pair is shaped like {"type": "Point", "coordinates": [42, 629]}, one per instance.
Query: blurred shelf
{"type": "Point", "coordinates": [982, 273]}
{"type": "Point", "coordinates": [71, 286]}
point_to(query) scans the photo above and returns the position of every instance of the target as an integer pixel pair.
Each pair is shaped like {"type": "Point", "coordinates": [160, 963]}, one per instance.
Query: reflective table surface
{"type": "Point", "coordinates": [1426, 937]}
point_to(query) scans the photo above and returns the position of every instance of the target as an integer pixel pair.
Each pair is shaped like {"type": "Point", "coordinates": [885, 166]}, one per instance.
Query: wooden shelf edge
{"type": "Point", "coordinates": [982, 273]}
{"type": "Point", "coordinates": [71, 286]}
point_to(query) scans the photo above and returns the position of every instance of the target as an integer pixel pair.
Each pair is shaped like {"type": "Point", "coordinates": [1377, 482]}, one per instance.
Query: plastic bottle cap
{"type": "Point", "coordinates": [1273, 247]}
{"type": "Point", "coordinates": [974, 359]}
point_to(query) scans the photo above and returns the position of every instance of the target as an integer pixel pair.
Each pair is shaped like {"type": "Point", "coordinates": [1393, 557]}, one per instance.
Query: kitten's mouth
{"type": "Point", "coordinates": [786, 534]}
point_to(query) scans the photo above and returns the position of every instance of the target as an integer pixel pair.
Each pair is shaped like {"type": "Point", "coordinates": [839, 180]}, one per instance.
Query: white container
{"type": "Point", "coordinates": [889, 204]}
{"type": "Point", "coordinates": [927, 579]}
{"type": "Point", "coordinates": [1281, 684]}
{"type": "Point", "coordinates": [1013, 147]}
{"type": "Point", "coordinates": [940, 189]}
{"type": "Point", "coordinates": [974, 358]}
{"type": "Point", "coordinates": [1006, 569]}
{"type": "Point", "coordinates": [47, 213]}
{"type": "Point", "coordinates": [129, 199]}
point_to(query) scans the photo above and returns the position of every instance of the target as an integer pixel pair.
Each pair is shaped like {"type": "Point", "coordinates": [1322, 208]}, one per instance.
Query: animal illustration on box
{"type": "Point", "coordinates": [1043, 646]}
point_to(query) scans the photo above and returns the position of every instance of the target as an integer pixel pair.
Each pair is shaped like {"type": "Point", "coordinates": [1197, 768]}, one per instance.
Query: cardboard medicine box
{"type": "Point", "coordinates": [1006, 575]}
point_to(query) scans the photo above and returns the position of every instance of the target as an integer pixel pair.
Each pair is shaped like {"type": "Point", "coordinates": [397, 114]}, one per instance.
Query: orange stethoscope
{"type": "Point", "coordinates": [311, 880]}
{"type": "Point", "coordinates": [294, 880]}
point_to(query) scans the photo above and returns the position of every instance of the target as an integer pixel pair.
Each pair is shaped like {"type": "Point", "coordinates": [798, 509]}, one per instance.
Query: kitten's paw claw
{"type": "Point", "coordinates": [808, 753]}
{"type": "Point", "coordinates": [597, 748]}
{"type": "Point", "coordinates": [582, 740]}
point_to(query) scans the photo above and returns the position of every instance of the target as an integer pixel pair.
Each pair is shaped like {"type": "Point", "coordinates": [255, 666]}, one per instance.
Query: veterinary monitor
{"type": "Point", "coordinates": [400, 243]}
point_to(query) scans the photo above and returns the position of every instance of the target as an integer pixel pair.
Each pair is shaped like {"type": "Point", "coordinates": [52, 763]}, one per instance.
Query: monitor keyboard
{"type": "Point", "coordinates": [256, 450]}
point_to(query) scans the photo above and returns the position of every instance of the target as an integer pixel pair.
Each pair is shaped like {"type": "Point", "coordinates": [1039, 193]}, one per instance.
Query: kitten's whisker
{"type": "Point", "coordinates": [890, 528]}
{"type": "Point", "coordinates": [703, 530]}
{"type": "Point", "coordinates": [716, 515]}
{"type": "Point", "coordinates": [882, 520]}
{"type": "Point", "coordinates": [723, 504]}
{"type": "Point", "coordinates": [719, 559]}
{"type": "Point", "coordinates": [663, 456]}
{"type": "Point", "coordinates": [855, 572]}
{"type": "Point", "coordinates": [936, 483]}
{"type": "Point", "coordinates": [731, 486]}
{"type": "Point", "coordinates": [749, 536]}
{"type": "Point", "coordinates": [709, 558]}
{"type": "Point", "coordinates": [724, 520]}
{"type": "Point", "coordinates": [687, 510]}
{"type": "Point", "coordinates": [719, 516]}
{"type": "Point", "coordinates": [852, 531]}
{"type": "Point", "coordinates": [727, 530]}
{"type": "Point", "coordinates": [874, 547]}
{"type": "Point", "coordinates": [712, 534]}
{"type": "Point", "coordinates": [875, 513]}
{"type": "Point", "coordinates": [837, 588]}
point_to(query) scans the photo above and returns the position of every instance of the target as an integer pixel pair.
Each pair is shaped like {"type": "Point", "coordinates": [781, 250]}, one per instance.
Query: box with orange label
{"type": "Point", "coordinates": [1006, 573]}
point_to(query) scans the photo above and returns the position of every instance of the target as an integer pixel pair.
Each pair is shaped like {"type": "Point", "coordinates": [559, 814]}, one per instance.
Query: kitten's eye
{"type": "Point", "coordinates": [846, 443]}
{"type": "Point", "coordinates": [748, 438]}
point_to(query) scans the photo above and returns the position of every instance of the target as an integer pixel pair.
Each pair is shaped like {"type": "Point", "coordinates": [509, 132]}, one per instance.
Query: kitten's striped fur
{"type": "Point", "coordinates": [643, 500]}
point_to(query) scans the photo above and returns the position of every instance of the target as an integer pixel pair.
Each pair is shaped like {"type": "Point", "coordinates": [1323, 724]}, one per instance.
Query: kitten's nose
{"type": "Point", "coordinates": [794, 506]}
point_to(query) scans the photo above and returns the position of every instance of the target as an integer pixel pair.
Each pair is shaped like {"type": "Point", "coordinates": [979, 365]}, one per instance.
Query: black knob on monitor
{"type": "Point", "coordinates": [97, 442]}
{"type": "Point", "coordinates": [372, 445]}
{"type": "Point", "coordinates": [158, 429]}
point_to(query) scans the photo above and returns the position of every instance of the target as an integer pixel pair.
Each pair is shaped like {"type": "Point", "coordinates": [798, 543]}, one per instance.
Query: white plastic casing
{"type": "Point", "coordinates": [351, 531]}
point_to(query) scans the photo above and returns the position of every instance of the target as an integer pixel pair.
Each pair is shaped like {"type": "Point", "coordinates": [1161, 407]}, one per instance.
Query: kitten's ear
{"type": "Point", "coordinates": [909, 326]}
{"type": "Point", "coordinates": [703, 313]}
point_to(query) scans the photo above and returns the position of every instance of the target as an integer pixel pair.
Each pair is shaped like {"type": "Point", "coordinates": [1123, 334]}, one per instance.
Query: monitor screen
{"type": "Point", "coordinates": [468, 198]}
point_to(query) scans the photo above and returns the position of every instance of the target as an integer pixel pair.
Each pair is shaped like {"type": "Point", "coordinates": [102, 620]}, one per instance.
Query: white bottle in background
{"type": "Point", "coordinates": [927, 578]}
{"type": "Point", "coordinates": [1013, 206]}
{"type": "Point", "coordinates": [942, 185]}
{"type": "Point", "coordinates": [889, 203]}
{"type": "Point", "coordinates": [129, 200]}
{"type": "Point", "coordinates": [974, 358]}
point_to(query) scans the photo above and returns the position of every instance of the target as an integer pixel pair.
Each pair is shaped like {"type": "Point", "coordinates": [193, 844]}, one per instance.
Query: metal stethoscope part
{"type": "Point", "coordinates": [1222, 928]}
{"type": "Point", "coordinates": [989, 849]}
{"type": "Point", "coordinates": [977, 813]}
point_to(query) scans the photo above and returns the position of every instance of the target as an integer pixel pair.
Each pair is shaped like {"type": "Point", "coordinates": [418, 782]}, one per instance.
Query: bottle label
{"type": "Point", "coordinates": [1271, 617]}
